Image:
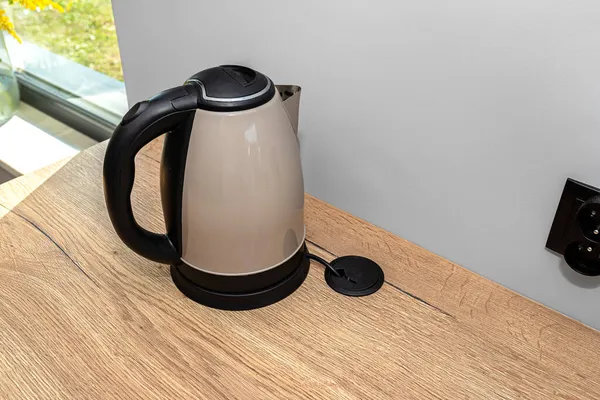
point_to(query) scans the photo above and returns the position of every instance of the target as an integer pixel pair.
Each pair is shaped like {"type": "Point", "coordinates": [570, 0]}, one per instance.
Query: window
{"type": "Point", "coordinates": [69, 65]}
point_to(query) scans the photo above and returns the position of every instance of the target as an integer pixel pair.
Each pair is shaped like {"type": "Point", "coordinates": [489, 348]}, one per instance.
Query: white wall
{"type": "Point", "coordinates": [453, 124]}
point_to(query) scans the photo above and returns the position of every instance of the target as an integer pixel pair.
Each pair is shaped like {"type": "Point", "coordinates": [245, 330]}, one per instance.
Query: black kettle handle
{"type": "Point", "coordinates": [144, 122]}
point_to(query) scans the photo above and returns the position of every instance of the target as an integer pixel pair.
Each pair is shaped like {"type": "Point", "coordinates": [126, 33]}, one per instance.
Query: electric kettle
{"type": "Point", "coordinates": [232, 189]}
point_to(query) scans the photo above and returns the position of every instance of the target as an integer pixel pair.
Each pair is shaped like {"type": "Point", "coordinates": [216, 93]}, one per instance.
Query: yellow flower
{"type": "Point", "coordinates": [7, 25]}
{"type": "Point", "coordinates": [36, 5]}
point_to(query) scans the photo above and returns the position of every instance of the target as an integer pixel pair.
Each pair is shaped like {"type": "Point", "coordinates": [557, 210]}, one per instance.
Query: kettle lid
{"type": "Point", "coordinates": [232, 88]}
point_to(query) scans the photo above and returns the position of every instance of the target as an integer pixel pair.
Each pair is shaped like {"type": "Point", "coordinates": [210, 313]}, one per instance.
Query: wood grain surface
{"type": "Point", "coordinates": [83, 317]}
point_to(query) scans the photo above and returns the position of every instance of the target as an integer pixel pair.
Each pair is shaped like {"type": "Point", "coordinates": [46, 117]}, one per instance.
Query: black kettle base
{"type": "Point", "coordinates": [259, 297]}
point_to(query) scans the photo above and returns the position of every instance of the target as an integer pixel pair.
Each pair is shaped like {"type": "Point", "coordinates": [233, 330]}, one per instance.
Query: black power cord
{"type": "Point", "coordinates": [351, 275]}
{"type": "Point", "coordinates": [325, 263]}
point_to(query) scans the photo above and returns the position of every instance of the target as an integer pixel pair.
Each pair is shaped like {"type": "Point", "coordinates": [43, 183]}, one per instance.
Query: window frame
{"type": "Point", "coordinates": [87, 118]}
{"type": "Point", "coordinates": [46, 89]}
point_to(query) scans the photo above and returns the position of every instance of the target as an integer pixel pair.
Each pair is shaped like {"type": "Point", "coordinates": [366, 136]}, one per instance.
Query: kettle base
{"type": "Point", "coordinates": [259, 297]}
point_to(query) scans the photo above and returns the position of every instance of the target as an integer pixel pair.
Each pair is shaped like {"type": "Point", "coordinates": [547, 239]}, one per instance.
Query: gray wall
{"type": "Point", "coordinates": [453, 124]}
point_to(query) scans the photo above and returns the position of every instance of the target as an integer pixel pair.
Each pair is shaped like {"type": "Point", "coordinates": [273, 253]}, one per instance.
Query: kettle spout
{"type": "Point", "coordinates": [290, 94]}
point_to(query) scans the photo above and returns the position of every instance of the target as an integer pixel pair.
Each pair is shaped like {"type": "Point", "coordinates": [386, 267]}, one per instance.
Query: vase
{"type": "Point", "coordinates": [9, 90]}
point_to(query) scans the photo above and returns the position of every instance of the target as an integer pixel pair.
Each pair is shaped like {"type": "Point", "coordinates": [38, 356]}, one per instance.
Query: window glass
{"type": "Point", "coordinates": [77, 51]}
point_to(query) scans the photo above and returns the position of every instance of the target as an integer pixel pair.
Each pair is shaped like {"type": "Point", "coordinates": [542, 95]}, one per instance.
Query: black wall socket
{"type": "Point", "coordinates": [575, 232]}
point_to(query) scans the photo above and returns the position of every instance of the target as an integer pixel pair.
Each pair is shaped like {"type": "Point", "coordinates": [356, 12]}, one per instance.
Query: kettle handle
{"type": "Point", "coordinates": [144, 122]}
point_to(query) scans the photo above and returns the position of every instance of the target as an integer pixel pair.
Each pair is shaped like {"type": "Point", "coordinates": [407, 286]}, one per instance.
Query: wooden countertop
{"type": "Point", "coordinates": [83, 317]}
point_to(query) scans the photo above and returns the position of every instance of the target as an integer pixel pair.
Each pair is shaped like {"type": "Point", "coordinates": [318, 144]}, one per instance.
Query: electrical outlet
{"type": "Point", "coordinates": [575, 232]}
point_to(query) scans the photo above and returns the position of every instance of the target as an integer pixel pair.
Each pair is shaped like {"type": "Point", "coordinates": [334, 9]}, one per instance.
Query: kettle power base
{"type": "Point", "coordinates": [259, 297]}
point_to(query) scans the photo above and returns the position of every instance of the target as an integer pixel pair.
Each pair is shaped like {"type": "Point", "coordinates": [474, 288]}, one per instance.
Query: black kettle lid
{"type": "Point", "coordinates": [232, 88]}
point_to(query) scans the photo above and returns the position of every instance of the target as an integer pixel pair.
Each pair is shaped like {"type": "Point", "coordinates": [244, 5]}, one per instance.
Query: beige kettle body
{"type": "Point", "coordinates": [231, 187]}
